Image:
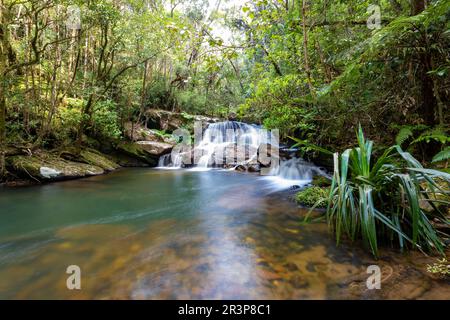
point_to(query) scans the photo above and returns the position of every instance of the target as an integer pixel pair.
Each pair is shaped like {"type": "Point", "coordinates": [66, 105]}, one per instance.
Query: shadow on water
{"type": "Point", "coordinates": [151, 234]}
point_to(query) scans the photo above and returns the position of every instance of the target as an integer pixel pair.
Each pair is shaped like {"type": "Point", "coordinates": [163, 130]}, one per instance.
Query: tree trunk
{"type": "Point", "coordinates": [427, 102]}
{"type": "Point", "coordinates": [417, 6]}
{"type": "Point", "coordinates": [305, 48]}
{"type": "Point", "coordinates": [2, 128]}
{"type": "Point", "coordinates": [4, 48]}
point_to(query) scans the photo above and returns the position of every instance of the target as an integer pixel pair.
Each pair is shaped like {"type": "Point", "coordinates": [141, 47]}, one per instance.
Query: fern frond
{"type": "Point", "coordinates": [442, 156]}
{"type": "Point", "coordinates": [404, 134]}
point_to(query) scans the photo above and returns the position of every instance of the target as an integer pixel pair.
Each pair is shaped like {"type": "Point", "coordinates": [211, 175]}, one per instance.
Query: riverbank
{"type": "Point", "coordinates": [140, 146]}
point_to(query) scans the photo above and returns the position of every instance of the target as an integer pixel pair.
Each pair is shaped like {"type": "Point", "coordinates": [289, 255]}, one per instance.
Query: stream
{"type": "Point", "coordinates": [183, 234]}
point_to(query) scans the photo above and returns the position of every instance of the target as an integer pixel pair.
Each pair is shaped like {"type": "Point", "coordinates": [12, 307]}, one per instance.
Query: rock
{"type": "Point", "coordinates": [156, 148]}
{"type": "Point", "coordinates": [231, 155]}
{"type": "Point", "coordinates": [321, 181]}
{"type": "Point", "coordinates": [48, 167]}
{"type": "Point", "coordinates": [265, 155]}
{"type": "Point", "coordinates": [232, 116]}
{"type": "Point", "coordinates": [49, 173]}
{"type": "Point", "coordinates": [89, 156]}
{"type": "Point", "coordinates": [254, 168]}
{"type": "Point", "coordinates": [127, 150]}
{"type": "Point", "coordinates": [170, 121]}
{"type": "Point", "coordinates": [97, 159]}
{"type": "Point", "coordinates": [135, 132]}
{"type": "Point", "coordinates": [322, 160]}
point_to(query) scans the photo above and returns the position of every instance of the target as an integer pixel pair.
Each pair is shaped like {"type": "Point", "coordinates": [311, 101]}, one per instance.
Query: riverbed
{"type": "Point", "coordinates": [180, 234]}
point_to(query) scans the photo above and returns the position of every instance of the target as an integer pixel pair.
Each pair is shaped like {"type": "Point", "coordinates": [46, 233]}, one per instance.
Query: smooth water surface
{"type": "Point", "coordinates": [157, 234]}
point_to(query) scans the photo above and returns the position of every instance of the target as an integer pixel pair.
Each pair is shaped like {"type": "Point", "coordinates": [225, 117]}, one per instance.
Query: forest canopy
{"type": "Point", "coordinates": [73, 71]}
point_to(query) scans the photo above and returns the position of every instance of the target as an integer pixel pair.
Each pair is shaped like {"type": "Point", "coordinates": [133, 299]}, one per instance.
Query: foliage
{"type": "Point", "coordinates": [441, 268]}
{"type": "Point", "coordinates": [395, 74]}
{"type": "Point", "coordinates": [382, 200]}
{"type": "Point", "coordinates": [105, 120]}
{"type": "Point", "coordinates": [444, 155]}
{"type": "Point", "coordinates": [274, 100]}
{"type": "Point", "coordinates": [313, 196]}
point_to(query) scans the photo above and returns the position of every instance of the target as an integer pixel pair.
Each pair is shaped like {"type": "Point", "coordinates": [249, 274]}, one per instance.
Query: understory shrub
{"type": "Point", "coordinates": [383, 200]}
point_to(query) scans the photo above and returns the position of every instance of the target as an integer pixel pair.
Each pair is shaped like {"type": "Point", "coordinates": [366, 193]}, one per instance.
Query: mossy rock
{"type": "Point", "coordinates": [312, 196]}
{"type": "Point", "coordinates": [89, 156]}
{"type": "Point", "coordinates": [49, 167]}
{"type": "Point", "coordinates": [136, 151]}
{"type": "Point", "coordinates": [321, 181]}
{"type": "Point", "coordinates": [95, 158]}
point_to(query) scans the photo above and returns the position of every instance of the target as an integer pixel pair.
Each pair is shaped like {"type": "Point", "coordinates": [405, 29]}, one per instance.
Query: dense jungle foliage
{"type": "Point", "coordinates": [72, 71]}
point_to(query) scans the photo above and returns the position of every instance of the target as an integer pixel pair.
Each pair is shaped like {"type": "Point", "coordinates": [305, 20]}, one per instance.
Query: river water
{"type": "Point", "coordinates": [178, 234]}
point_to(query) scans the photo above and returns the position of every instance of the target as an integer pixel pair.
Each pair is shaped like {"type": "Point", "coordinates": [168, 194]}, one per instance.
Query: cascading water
{"type": "Point", "coordinates": [219, 138]}
{"type": "Point", "coordinates": [294, 172]}
{"type": "Point", "coordinates": [173, 161]}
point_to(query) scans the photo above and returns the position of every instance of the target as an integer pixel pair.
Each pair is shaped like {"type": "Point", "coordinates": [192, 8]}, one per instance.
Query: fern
{"type": "Point", "coordinates": [404, 134]}
{"type": "Point", "coordinates": [442, 156]}
{"type": "Point", "coordinates": [437, 134]}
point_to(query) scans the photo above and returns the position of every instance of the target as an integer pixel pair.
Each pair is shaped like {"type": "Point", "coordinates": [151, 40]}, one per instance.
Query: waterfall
{"type": "Point", "coordinates": [296, 169]}
{"type": "Point", "coordinates": [170, 161]}
{"type": "Point", "coordinates": [294, 172]}
{"type": "Point", "coordinates": [239, 142]}
{"type": "Point", "coordinates": [221, 137]}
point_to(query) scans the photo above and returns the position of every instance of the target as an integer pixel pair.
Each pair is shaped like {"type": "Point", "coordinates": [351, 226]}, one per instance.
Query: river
{"type": "Point", "coordinates": [180, 234]}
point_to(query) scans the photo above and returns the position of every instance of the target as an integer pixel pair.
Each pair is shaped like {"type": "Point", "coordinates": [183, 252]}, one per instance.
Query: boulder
{"type": "Point", "coordinates": [97, 159]}
{"type": "Point", "coordinates": [47, 167]}
{"type": "Point", "coordinates": [135, 132]}
{"type": "Point", "coordinates": [131, 150]}
{"type": "Point", "coordinates": [89, 156]}
{"type": "Point", "coordinates": [232, 116]}
{"type": "Point", "coordinates": [147, 152]}
{"type": "Point", "coordinates": [170, 121]}
{"type": "Point", "coordinates": [155, 148]}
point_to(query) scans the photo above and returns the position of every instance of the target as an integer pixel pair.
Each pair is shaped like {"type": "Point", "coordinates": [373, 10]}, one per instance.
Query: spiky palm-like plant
{"type": "Point", "coordinates": [382, 200]}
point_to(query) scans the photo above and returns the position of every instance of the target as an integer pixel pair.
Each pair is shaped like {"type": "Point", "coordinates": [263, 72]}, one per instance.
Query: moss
{"type": "Point", "coordinates": [94, 158]}
{"type": "Point", "coordinates": [440, 268]}
{"type": "Point", "coordinates": [134, 150]}
{"type": "Point", "coordinates": [38, 166]}
{"type": "Point", "coordinates": [24, 165]}
{"type": "Point", "coordinates": [321, 181]}
{"type": "Point", "coordinates": [312, 195]}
